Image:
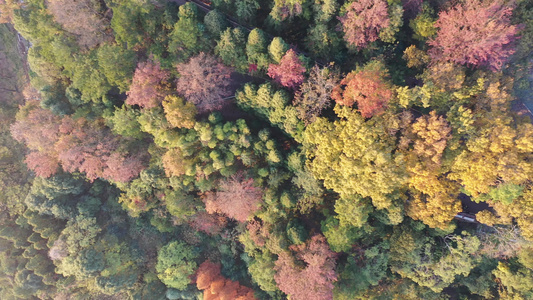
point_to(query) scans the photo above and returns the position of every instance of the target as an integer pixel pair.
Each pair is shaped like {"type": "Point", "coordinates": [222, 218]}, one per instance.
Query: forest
{"type": "Point", "coordinates": [266, 149]}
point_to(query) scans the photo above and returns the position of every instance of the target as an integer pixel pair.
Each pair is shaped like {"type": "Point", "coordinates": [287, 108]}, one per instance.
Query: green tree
{"type": "Point", "coordinates": [187, 38]}
{"type": "Point", "coordinates": [175, 263]}
{"type": "Point", "coordinates": [256, 49]}
{"type": "Point", "coordinates": [231, 49]}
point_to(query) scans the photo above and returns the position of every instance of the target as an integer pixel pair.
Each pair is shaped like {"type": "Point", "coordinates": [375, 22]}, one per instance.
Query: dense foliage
{"type": "Point", "coordinates": [266, 149]}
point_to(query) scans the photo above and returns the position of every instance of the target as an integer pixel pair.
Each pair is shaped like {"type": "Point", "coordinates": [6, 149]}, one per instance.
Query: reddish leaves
{"type": "Point", "coordinates": [368, 88]}
{"type": "Point", "coordinates": [77, 145]}
{"type": "Point", "coordinates": [148, 85]}
{"type": "Point", "coordinates": [90, 147]}
{"type": "Point", "coordinates": [236, 198]}
{"type": "Point", "coordinates": [209, 223]}
{"type": "Point", "coordinates": [363, 21]}
{"type": "Point", "coordinates": [290, 71]}
{"type": "Point", "coordinates": [475, 33]}
{"type": "Point", "coordinates": [217, 287]}
{"type": "Point", "coordinates": [313, 281]}
{"type": "Point", "coordinates": [83, 18]}
{"type": "Point", "coordinates": [204, 82]}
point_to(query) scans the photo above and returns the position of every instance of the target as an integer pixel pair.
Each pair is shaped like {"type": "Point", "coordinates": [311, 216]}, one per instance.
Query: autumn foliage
{"type": "Point", "coordinates": [476, 33]}
{"type": "Point", "coordinates": [363, 21]}
{"type": "Point", "coordinates": [367, 87]}
{"type": "Point", "coordinates": [149, 84]}
{"type": "Point", "coordinates": [217, 287]}
{"type": "Point", "coordinates": [236, 197]}
{"type": "Point", "coordinates": [83, 18]}
{"type": "Point", "coordinates": [211, 224]}
{"type": "Point", "coordinates": [75, 144]}
{"type": "Point", "coordinates": [312, 278]}
{"type": "Point", "coordinates": [290, 71]}
{"type": "Point", "coordinates": [204, 81]}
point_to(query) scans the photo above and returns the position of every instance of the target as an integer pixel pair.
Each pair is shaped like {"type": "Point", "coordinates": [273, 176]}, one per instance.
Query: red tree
{"type": "Point", "coordinates": [477, 33]}
{"type": "Point", "coordinates": [43, 164]}
{"type": "Point", "coordinates": [76, 145]}
{"type": "Point", "coordinates": [290, 71]}
{"type": "Point", "coordinates": [148, 85]}
{"type": "Point", "coordinates": [368, 88]}
{"type": "Point", "coordinates": [236, 198]}
{"type": "Point", "coordinates": [90, 147]}
{"type": "Point", "coordinates": [313, 281]}
{"type": "Point", "coordinates": [211, 224]}
{"type": "Point", "coordinates": [363, 21]}
{"type": "Point", "coordinates": [217, 287]}
{"type": "Point", "coordinates": [204, 81]}
{"type": "Point", "coordinates": [38, 128]}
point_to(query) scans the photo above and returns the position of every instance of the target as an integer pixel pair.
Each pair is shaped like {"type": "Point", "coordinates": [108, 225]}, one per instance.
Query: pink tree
{"type": "Point", "coordinates": [363, 21]}
{"type": "Point", "coordinates": [148, 85]}
{"type": "Point", "coordinates": [90, 147]}
{"type": "Point", "coordinates": [75, 145]}
{"type": "Point", "coordinates": [236, 198]}
{"type": "Point", "coordinates": [290, 71]}
{"type": "Point", "coordinates": [477, 33]}
{"type": "Point", "coordinates": [313, 281]}
{"type": "Point", "coordinates": [38, 128]}
{"type": "Point", "coordinates": [204, 81]}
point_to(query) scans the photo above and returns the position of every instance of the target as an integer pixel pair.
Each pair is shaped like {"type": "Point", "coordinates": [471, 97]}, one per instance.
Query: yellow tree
{"type": "Point", "coordinates": [434, 199]}
{"type": "Point", "coordinates": [356, 158]}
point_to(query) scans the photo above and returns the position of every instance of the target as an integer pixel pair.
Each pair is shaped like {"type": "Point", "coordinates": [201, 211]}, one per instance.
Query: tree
{"type": "Point", "coordinates": [215, 22]}
{"type": "Point", "coordinates": [273, 105]}
{"type": "Point", "coordinates": [355, 158]}
{"type": "Point", "coordinates": [476, 33]}
{"type": "Point", "coordinates": [211, 224]}
{"type": "Point", "coordinates": [284, 9]}
{"type": "Point", "coordinates": [314, 280]}
{"type": "Point", "coordinates": [231, 49]}
{"type": "Point", "coordinates": [277, 49]}
{"type": "Point", "coordinates": [38, 128]}
{"type": "Point", "coordinates": [187, 38]}
{"type": "Point", "coordinates": [149, 85]}
{"type": "Point", "coordinates": [363, 21]}
{"type": "Point", "coordinates": [83, 18]}
{"type": "Point", "coordinates": [91, 148]}
{"type": "Point", "coordinates": [236, 197]}
{"type": "Point", "coordinates": [246, 10]}
{"type": "Point", "coordinates": [175, 264]}
{"type": "Point", "coordinates": [179, 113]}
{"type": "Point", "coordinates": [124, 122]}
{"type": "Point", "coordinates": [315, 94]}
{"type": "Point", "coordinates": [216, 287]}
{"type": "Point", "coordinates": [117, 65]}
{"type": "Point", "coordinates": [325, 10]}
{"type": "Point", "coordinates": [289, 72]}
{"type": "Point", "coordinates": [367, 87]}
{"type": "Point", "coordinates": [256, 49]}
{"type": "Point", "coordinates": [323, 41]}
{"type": "Point", "coordinates": [424, 24]}
{"type": "Point", "coordinates": [204, 82]}
{"type": "Point", "coordinates": [174, 163]}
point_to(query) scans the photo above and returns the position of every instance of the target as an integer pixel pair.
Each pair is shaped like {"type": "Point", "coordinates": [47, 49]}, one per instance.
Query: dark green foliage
{"type": "Point", "coordinates": [231, 49]}
{"type": "Point", "coordinates": [175, 263]}
{"type": "Point", "coordinates": [215, 23]}
{"type": "Point", "coordinates": [187, 38]}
